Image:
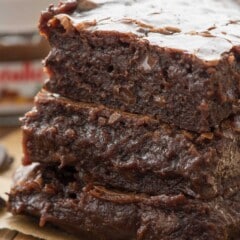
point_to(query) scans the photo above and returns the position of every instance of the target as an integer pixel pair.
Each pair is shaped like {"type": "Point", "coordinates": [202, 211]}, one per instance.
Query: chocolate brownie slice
{"type": "Point", "coordinates": [131, 152]}
{"type": "Point", "coordinates": [178, 61]}
{"type": "Point", "coordinates": [94, 212]}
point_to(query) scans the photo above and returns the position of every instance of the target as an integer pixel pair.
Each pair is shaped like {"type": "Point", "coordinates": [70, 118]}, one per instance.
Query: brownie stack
{"type": "Point", "coordinates": [136, 133]}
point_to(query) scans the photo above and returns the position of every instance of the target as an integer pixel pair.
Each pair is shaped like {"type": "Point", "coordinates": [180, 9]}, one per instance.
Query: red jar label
{"type": "Point", "coordinates": [19, 83]}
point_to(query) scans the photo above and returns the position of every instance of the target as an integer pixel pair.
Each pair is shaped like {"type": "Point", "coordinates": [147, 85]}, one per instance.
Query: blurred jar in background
{"type": "Point", "coordinates": [21, 52]}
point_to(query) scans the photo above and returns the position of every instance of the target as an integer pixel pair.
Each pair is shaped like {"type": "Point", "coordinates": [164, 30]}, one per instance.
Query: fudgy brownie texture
{"type": "Point", "coordinates": [131, 152]}
{"type": "Point", "coordinates": [94, 212]}
{"type": "Point", "coordinates": [177, 61]}
{"type": "Point", "coordinates": [139, 139]}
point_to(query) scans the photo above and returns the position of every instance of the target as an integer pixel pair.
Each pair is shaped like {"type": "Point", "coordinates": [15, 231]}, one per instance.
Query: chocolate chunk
{"type": "Point", "coordinates": [5, 159]}
{"type": "Point", "coordinates": [2, 203]}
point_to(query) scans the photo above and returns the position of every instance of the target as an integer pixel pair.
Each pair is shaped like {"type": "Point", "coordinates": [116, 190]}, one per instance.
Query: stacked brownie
{"type": "Point", "coordinates": [136, 133]}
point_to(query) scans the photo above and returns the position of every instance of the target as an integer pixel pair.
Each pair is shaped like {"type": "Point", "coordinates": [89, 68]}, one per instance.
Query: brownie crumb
{"type": "Point", "coordinates": [2, 203]}
{"type": "Point", "coordinates": [5, 159]}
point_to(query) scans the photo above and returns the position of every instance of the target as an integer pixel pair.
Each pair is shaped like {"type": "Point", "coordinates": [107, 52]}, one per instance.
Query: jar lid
{"type": "Point", "coordinates": [21, 16]}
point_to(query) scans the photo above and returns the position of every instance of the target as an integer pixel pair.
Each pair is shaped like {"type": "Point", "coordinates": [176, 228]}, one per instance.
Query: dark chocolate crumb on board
{"type": "Point", "coordinates": [5, 159]}
{"type": "Point", "coordinates": [2, 203]}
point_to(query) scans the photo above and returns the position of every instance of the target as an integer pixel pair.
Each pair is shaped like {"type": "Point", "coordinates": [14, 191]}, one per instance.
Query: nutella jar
{"type": "Point", "coordinates": [21, 52]}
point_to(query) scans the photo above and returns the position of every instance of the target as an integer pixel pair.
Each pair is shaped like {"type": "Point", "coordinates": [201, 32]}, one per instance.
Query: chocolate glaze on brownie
{"type": "Point", "coordinates": [104, 214]}
{"type": "Point", "coordinates": [175, 60]}
{"type": "Point", "coordinates": [162, 23]}
{"type": "Point", "coordinates": [131, 152]}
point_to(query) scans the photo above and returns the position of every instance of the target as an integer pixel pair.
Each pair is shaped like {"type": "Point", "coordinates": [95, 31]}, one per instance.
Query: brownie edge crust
{"type": "Point", "coordinates": [122, 68]}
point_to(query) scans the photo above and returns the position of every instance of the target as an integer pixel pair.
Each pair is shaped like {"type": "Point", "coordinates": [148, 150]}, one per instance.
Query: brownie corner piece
{"type": "Point", "coordinates": [146, 66]}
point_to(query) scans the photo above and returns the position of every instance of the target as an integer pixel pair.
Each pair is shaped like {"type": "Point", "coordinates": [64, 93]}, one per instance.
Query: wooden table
{"type": "Point", "coordinates": [6, 130]}
{"type": "Point", "coordinates": [7, 234]}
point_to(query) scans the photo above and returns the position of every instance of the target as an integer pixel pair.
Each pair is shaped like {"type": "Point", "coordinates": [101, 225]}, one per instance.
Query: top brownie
{"type": "Point", "coordinates": [178, 61]}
